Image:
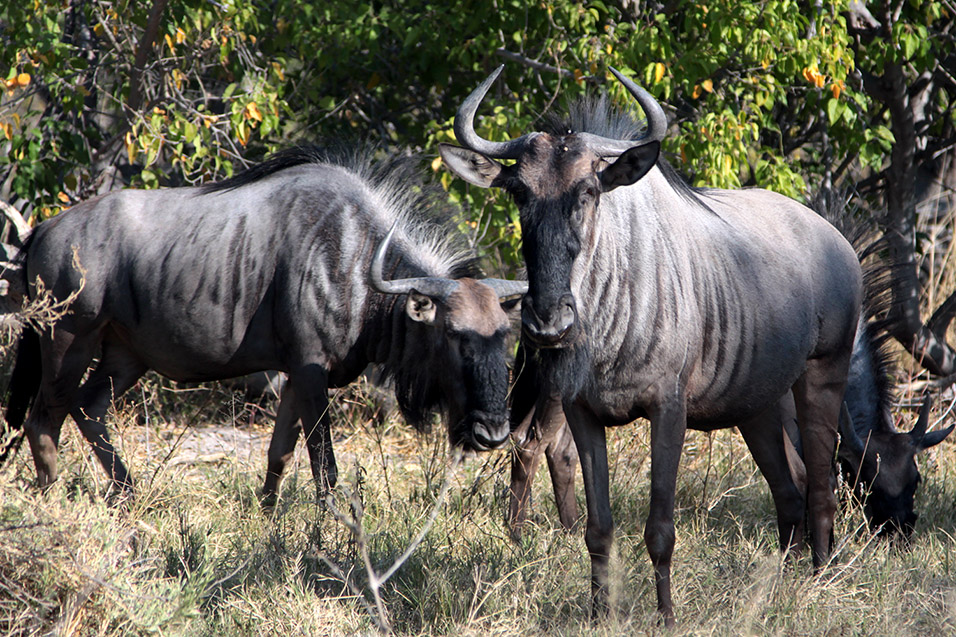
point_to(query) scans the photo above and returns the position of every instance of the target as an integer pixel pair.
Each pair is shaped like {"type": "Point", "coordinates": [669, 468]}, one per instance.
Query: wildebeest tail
{"type": "Point", "coordinates": [22, 389]}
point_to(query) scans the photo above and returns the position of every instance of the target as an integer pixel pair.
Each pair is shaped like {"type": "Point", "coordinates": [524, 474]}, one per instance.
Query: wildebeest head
{"type": "Point", "coordinates": [557, 183]}
{"type": "Point", "coordinates": [883, 470]}
{"type": "Point", "coordinates": [462, 351]}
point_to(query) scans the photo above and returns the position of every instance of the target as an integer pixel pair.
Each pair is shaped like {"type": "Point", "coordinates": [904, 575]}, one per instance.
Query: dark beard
{"type": "Point", "coordinates": [565, 370]}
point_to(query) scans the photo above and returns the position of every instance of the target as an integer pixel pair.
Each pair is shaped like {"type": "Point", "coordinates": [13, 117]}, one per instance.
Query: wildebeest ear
{"type": "Point", "coordinates": [630, 166]}
{"type": "Point", "coordinates": [421, 308]}
{"type": "Point", "coordinates": [471, 166]}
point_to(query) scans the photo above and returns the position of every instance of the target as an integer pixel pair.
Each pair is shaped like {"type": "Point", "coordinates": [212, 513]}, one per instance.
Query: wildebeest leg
{"type": "Point", "coordinates": [765, 437]}
{"type": "Point", "coordinates": [562, 455]}
{"type": "Point", "coordinates": [542, 429]}
{"type": "Point", "coordinates": [591, 440]}
{"type": "Point", "coordinates": [310, 384]}
{"type": "Point", "coordinates": [282, 445]}
{"type": "Point", "coordinates": [668, 426]}
{"type": "Point", "coordinates": [117, 371]}
{"type": "Point", "coordinates": [64, 361]}
{"type": "Point", "coordinates": [818, 396]}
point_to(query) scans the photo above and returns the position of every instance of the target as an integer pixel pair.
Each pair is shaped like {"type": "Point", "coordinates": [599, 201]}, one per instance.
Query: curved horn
{"type": "Point", "coordinates": [919, 429]}
{"type": "Point", "coordinates": [506, 289]}
{"type": "Point", "coordinates": [848, 433]}
{"type": "Point", "coordinates": [656, 123]}
{"type": "Point", "coordinates": [430, 286]}
{"type": "Point", "coordinates": [465, 126]}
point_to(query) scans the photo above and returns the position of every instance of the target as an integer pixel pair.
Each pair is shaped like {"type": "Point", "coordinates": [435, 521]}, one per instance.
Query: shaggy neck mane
{"type": "Point", "coordinates": [870, 393]}
{"type": "Point", "coordinates": [427, 242]}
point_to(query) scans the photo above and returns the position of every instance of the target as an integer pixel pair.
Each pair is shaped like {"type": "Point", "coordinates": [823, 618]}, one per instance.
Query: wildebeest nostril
{"type": "Point", "coordinates": [490, 434]}
{"type": "Point", "coordinates": [548, 327]}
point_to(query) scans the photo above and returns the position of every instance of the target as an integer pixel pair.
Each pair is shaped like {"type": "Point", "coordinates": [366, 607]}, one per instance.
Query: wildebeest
{"type": "Point", "coordinates": [651, 299]}
{"type": "Point", "coordinates": [287, 266]}
{"type": "Point", "coordinates": [878, 460]}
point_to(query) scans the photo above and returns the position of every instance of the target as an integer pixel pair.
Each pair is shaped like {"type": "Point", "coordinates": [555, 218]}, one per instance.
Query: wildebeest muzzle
{"type": "Point", "coordinates": [483, 431]}
{"type": "Point", "coordinates": [550, 324]}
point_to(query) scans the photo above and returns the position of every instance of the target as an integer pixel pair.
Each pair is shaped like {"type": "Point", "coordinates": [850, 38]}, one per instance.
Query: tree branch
{"type": "Point", "coordinates": [534, 64]}
{"type": "Point", "coordinates": [142, 54]}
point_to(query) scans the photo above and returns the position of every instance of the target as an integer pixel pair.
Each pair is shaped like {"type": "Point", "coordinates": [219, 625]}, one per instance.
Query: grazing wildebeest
{"type": "Point", "coordinates": [648, 298]}
{"type": "Point", "coordinates": [877, 459]}
{"type": "Point", "coordinates": [274, 269]}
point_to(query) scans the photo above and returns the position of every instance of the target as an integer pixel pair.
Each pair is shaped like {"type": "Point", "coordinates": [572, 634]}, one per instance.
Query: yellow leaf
{"type": "Point", "coordinates": [99, 30]}
{"type": "Point", "coordinates": [658, 72]}
{"type": "Point", "coordinates": [696, 92]}
{"type": "Point", "coordinates": [812, 75]}
{"type": "Point", "coordinates": [62, 196]}
{"type": "Point", "coordinates": [836, 88]}
{"type": "Point", "coordinates": [708, 85]}
{"type": "Point", "coordinates": [7, 130]}
{"type": "Point", "coordinates": [180, 36]}
{"type": "Point", "coordinates": [169, 42]}
{"type": "Point", "coordinates": [252, 112]}
{"type": "Point", "coordinates": [765, 64]}
{"type": "Point", "coordinates": [578, 75]}
{"type": "Point", "coordinates": [436, 164]}
{"type": "Point", "coordinates": [130, 148]}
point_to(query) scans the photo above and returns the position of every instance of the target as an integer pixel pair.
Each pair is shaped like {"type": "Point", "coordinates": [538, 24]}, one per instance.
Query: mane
{"type": "Point", "coordinates": [426, 231]}
{"type": "Point", "coordinates": [427, 225]}
{"type": "Point", "coordinates": [870, 392]}
{"type": "Point", "coordinates": [595, 114]}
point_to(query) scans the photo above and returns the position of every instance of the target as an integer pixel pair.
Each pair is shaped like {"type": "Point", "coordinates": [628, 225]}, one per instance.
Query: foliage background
{"type": "Point", "coordinates": [774, 93]}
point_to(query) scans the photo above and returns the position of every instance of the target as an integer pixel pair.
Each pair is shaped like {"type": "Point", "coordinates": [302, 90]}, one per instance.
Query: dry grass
{"type": "Point", "coordinates": [194, 554]}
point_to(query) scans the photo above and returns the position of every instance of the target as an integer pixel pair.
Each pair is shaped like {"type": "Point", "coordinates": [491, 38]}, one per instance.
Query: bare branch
{"type": "Point", "coordinates": [534, 64]}
{"type": "Point", "coordinates": [142, 54]}
{"type": "Point", "coordinates": [353, 522]}
{"type": "Point", "coordinates": [20, 226]}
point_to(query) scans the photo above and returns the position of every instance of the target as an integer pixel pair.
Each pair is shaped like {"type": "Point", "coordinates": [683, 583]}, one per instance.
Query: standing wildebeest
{"type": "Point", "coordinates": [648, 298]}
{"type": "Point", "coordinates": [877, 459]}
{"type": "Point", "coordinates": [270, 270]}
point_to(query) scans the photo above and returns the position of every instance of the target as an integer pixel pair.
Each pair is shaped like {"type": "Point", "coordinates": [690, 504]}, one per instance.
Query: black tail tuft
{"type": "Point", "coordinates": [22, 389]}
